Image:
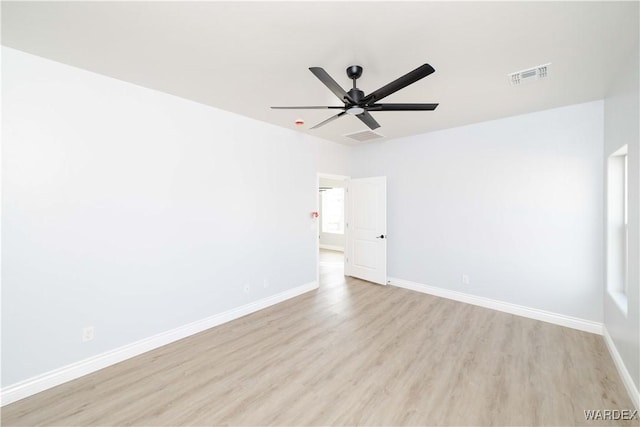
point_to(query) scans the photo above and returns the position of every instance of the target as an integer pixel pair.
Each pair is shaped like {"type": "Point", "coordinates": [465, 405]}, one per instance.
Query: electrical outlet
{"type": "Point", "coordinates": [465, 279]}
{"type": "Point", "coordinates": [88, 334]}
{"type": "Point", "coordinates": [246, 289]}
{"type": "Point", "coordinates": [265, 284]}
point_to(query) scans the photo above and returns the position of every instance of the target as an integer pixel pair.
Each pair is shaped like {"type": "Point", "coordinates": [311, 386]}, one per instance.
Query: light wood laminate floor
{"type": "Point", "coordinates": [349, 353]}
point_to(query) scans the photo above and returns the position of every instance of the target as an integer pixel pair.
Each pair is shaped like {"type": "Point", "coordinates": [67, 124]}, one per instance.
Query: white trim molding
{"type": "Point", "coordinates": [519, 310]}
{"type": "Point", "coordinates": [634, 394]}
{"type": "Point", "coordinates": [78, 369]}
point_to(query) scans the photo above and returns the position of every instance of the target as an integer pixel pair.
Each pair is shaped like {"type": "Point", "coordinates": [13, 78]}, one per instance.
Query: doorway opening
{"type": "Point", "coordinates": [331, 226]}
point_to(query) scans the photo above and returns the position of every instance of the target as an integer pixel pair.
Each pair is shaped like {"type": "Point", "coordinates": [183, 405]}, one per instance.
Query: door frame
{"type": "Point", "coordinates": [317, 235]}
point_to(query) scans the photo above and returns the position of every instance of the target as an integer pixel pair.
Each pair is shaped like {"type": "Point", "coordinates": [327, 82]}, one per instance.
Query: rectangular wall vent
{"type": "Point", "coordinates": [364, 135]}
{"type": "Point", "coordinates": [529, 75]}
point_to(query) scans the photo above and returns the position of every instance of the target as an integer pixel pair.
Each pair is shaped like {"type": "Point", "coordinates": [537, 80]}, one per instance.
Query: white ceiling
{"type": "Point", "coordinates": [247, 56]}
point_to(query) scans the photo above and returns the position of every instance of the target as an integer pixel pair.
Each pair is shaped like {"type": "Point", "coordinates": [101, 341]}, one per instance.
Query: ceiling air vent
{"type": "Point", "coordinates": [364, 135]}
{"type": "Point", "coordinates": [529, 75]}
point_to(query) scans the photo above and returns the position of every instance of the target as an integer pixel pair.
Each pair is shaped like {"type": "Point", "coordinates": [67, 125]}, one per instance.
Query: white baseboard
{"type": "Point", "coordinates": [332, 247]}
{"type": "Point", "coordinates": [622, 369]}
{"type": "Point", "coordinates": [78, 369]}
{"type": "Point", "coordinates": [519, 310]}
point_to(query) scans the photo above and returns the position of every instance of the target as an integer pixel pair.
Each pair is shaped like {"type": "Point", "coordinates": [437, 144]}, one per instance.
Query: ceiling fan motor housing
{"type": "Point", "coordinates": [356, 95]}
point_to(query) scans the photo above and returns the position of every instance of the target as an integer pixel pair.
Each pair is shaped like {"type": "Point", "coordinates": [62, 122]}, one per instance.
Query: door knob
{"type": "Point", "coordinates": [380, 236]}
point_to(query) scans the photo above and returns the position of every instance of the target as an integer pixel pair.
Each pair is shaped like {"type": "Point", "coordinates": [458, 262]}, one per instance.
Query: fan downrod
{"type": "Point", "coordinates": [354, 72]}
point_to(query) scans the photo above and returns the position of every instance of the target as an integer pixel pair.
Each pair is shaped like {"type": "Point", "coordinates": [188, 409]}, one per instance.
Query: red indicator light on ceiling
{"type": "Point", "coordinates": [299, 122]}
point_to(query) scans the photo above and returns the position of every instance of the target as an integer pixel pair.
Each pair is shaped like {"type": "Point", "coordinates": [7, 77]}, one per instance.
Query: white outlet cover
{"type": "Point", "coordinates": [88, 333]}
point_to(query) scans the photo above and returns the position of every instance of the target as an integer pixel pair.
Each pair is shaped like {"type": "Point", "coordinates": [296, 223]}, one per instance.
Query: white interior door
{"type": "Point", "coordinates": [366, 229]}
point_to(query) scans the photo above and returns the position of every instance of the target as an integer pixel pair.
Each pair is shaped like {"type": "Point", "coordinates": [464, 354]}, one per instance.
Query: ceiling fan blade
{"type": "Point", "coordinates": [328, 81]}
{"type": "Point", "coordinates": [308, 108]}
{"type": "Point", "coordinates": [330, 119]}
{"type": "Point", "coordinates": [404, 81]}
{"type": "Point", "coordinates": [402, 107]}
{"type": "Point", "coordinates": [368, 120]}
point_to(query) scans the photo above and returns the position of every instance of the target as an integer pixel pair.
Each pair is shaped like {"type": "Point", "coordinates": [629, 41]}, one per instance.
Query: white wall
{"type": "Point", "coordinates": [137, 212]}
{"type": "Point", "coordinates": [330, 240]}
{"type": "Point", "coordinates": [621, 126]}
{"type": "Point", "coordinates": [514, 203]}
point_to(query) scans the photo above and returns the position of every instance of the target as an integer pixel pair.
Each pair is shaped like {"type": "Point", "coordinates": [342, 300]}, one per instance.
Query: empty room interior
{"type": "Point", "coordinates": [320, 213]}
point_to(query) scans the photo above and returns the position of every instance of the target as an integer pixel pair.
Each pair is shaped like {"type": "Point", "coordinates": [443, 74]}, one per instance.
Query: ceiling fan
{"type": "Point", "coordinates": [358, 104]}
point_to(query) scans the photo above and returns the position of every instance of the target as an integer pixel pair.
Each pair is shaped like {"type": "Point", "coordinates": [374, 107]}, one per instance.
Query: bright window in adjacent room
{"type": "Point", "coordinates": [332, 214]}
{"type": "Point", "coordinates": [617, 227]}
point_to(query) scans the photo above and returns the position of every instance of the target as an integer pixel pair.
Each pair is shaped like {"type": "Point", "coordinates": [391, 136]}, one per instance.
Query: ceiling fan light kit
{"type": "Point", "coordinates": [357, 104]}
